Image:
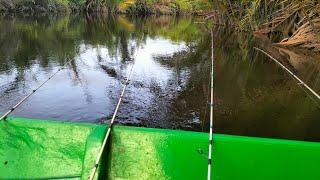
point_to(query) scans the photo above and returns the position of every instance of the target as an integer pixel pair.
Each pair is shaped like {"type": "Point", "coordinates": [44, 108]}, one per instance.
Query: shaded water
{"type": "Point", "coordinates": [169, 85]}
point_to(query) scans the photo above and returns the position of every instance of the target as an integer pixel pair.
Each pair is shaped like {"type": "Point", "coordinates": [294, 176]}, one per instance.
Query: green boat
{"type": "Point", "coordinates": [43, 149]}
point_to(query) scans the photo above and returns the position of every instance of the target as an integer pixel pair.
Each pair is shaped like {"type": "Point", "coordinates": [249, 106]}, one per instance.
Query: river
{"type": "Point", "coordinates": [171, 59]}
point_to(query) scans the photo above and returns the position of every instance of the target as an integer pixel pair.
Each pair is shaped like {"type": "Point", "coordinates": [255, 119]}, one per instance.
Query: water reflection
{"type": "Point", "coordinates": [169, 86]}
{"type": "Point", "coordinates": [103, 49]}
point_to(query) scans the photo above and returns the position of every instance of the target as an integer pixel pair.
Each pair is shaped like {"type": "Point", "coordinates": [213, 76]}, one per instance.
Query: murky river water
{"type": "Point", "coordinates": [169, 86]}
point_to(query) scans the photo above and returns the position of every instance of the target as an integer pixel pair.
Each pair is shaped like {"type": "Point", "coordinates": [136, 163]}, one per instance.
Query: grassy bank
{"type": "Point", "coordinates": [298, 21]}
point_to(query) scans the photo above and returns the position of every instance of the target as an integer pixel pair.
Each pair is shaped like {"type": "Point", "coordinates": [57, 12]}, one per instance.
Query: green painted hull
{"type": "Point", "coordinates": [37, 149]}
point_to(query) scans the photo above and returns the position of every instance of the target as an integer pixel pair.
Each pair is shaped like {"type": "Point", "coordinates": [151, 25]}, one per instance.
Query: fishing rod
{"type": "Point", "coordinates": [291, 73]}
{"type": "Point", "coordinates": [94, 170]}
{"type": "Point", "coordinates": [32, 92]}
{"type": "Point", "coordinates": [211, 111]}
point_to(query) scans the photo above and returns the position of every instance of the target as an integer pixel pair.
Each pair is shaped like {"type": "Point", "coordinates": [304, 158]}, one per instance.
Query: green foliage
{"type": "Point", "coordinates": [32, 6]}
{"type": "Point", "coordinates": [168, 6]}
{"type": "Point", "coordinates": [129, 6]}
{"type": "Point", "coordinates": [77, 2]}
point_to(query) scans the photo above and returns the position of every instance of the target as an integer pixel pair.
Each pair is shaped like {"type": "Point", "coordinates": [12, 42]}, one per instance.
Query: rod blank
{"type": "Point", "coordinates": [96, 165]}
{"type": "Point", "coordinates": [31, 93]}
{"type": "Point", "coordinates": [291, 73]}
{"type": "Point", "coordinates": [211, 111]}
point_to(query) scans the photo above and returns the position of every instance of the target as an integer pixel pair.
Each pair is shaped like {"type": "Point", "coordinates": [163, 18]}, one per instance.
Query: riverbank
{"type": "Point", "coordinates": [164, 7]}
{"type": "Point", "coordinates": [132, 7]}
{"type": "Point", "coordinates": [289, 24]}
{"type": "Point", "coordinates": [32, 7]}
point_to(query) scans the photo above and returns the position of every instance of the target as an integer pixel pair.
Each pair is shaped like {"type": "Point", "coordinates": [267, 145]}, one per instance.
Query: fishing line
{"type": "Point", "coordinates": [291, 73]}
{"type": "Point", "coordinates": [32, 92]}
{"type": "Point", "coordinates": [211, 110]}
{"type": "Point", "coordinates": [94, 170]}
